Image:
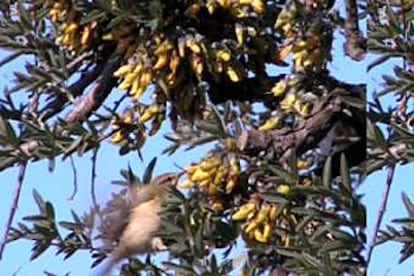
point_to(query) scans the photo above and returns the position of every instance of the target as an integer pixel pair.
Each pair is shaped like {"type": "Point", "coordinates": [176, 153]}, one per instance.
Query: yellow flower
{"type": "Point", "coordinates": [232, 74]}
{"type": "Point", "coordinates": [200, 175]}
{"type": "Point", "coordinates": [224, 55]}
{"type": "Point", "coordinates": [244, 211]}
{"type": "Point", "coordinates": [271, 124]}
{"type": "Point", "coordinates": [283, 189]}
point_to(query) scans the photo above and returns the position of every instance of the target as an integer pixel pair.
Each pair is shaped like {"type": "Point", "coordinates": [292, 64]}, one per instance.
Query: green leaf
{"type": "Point", "coordinates": [327, 172]}
{"type": "Point", "coordinates": [39, 249]}
{"type": "Point", "coordinates": [25, 19]}
{"type": "Point", "coordinates": [7, 133]}
{"type": "Point", "coordinates": [199, 240]}
{"type": "Point", "coordinates": [10, 58]}
{"type": "Point", "coordinates": [50, 212]}
{"type": "Point", "coordinates": [147, 176]}
{"type": "Point", "coordinates": [68, 225]}
{"type": "Point", "coordinates": [345, 174]}
{"type": "Point", "coordinates": [408, 204]}
{"type": "Point", "coordinates": [40, 202]}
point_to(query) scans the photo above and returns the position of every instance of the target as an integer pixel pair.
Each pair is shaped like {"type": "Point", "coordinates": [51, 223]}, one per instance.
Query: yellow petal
{"type": "Point", "coordinates": [224, 55]}
{"type": "Point", "coordinates": [187, 184]}
{"type": "Point", "coordinates": [200, 175]}
{"type": "Point", "coordinates": [232, 74]}
{"type": "Point", "coordinates": [244, 211]}
{"type": "Point", "coordinates": [123, 70]}
{"type": "Point", "coordinates": [271, 124]}
{"type": "Point", "coordinates": [283, 189]}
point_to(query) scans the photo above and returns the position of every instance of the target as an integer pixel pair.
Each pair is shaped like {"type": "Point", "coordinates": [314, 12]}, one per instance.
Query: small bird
{"type": "Point", "coordinates": [132, 223]}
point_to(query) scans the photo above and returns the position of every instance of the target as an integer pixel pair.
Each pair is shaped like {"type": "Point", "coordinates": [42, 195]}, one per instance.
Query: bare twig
{"type": "Point", "coordinates": [75, 178]}
{"type": "Point", "coordinates": [396, 152]}
{"type": "Point", "coordinates": [381, 211]}
{"type": "Point", "coordinates": [93, 179]}
{"type": "Point", "coordinates": [14, 206]}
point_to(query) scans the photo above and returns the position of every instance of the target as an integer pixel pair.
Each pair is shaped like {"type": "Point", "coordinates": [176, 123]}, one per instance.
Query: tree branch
{"type": "Point", "coordinates": [98, 93]}
{"type": "Point", "coordinates": [300, 139]}
{"type": "Point", "coordinates": [75, 178]}
{"type": "Point", "coordinates": [93, 180]}
{"type": "Point", "coordinates": [14, 206]}
{"type": "Point", "coordinates": [381, 211]}
{"type": "Point", "coordinates": [76, 89]}
{"type": "Point", "coordinates": [355, 45]}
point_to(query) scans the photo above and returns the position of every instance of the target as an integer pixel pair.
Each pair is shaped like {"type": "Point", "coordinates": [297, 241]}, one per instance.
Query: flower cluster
{"type": "Point", "coordinates": [75, 37]}
{"type": "Point", "coordinates": [214, 174]}
{"type": "Point", "coordinates": [306, 45]}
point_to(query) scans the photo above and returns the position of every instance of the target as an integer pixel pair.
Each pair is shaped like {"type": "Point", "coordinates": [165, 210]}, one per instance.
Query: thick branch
{"type": "Point", "coordinates": [355, 45]}
{"type": "Point", "coordinates": [302, 138]}
{"type": "Point", "coordinates": [76, 89]}
{"type": "Point", "coordinates": [96, 95]}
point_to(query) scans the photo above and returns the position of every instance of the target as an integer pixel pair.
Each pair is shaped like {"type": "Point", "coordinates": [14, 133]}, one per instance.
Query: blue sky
{"type": "Point", "coordinates": [57, 187]}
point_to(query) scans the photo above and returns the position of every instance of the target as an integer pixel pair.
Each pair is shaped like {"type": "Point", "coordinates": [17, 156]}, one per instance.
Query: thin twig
{"type": "Point", "coordinates": [93, 178]}
{"type": "Point", "coordinates": [381, 211]}
{"type": "Point", "coordinates": [75, 178]}
{"type": "Point", "coordinates": [14, 206]}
